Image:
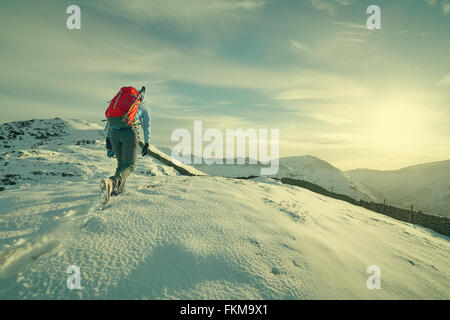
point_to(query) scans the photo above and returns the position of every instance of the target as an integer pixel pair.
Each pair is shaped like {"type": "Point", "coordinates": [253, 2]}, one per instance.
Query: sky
{"type": "Point", "coordinates": [354, 97]}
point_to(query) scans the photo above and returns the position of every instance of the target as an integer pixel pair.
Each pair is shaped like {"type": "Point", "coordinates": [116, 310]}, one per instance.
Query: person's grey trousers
{"type": "Point", "coordinates": [124, 144]}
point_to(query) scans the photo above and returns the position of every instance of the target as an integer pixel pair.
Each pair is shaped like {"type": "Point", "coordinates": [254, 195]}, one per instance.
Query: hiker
{"type": "Point", "coordinates": [125, 111]}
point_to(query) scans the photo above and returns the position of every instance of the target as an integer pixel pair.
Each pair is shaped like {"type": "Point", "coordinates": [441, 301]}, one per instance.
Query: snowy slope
{"type": "Point", "coordinates": [425, 186]}
{"type": "Point", "coordinates": [308, 168]}
{"type": "Point", "coordinates": [56, 150]}
{"type": "Point", "coordinates": [171, 237]}
{"type": "Point", "coordinates": [324, 174]}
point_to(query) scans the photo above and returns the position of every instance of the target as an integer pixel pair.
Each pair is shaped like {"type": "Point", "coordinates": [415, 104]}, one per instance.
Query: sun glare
{"type": "Point", "coordinates": [400, 124]}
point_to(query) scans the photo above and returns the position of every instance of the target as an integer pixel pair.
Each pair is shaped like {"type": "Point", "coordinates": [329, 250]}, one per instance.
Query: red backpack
{"type": "Point", "coordinates": [123, 107]}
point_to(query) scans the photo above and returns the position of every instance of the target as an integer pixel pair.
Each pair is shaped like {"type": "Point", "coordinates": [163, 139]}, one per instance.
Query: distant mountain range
{"type": "Point", "coordinates": [425, 186]}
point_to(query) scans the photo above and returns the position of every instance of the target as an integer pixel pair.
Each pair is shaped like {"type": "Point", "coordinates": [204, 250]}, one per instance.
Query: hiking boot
{"type": "Point", "coordinates": [115, 193]}
{"type": "Point", "coordinates": [107, 187]}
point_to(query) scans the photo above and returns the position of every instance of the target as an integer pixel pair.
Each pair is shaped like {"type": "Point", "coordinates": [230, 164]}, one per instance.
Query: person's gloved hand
{"type": "Point", "coordinates": [145, 149]}
{"type": "Point", "coordinates": [109, 151]}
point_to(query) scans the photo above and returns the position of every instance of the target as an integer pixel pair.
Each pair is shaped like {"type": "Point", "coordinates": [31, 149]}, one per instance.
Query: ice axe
{"type": "Point", "coordinates": [134, 102]}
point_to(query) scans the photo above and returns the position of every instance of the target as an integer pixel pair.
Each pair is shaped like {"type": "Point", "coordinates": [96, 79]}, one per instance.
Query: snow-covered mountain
{"type": "Point", "coordinates": [55, 150]}
{"type": "Point", "coordinates": [179, 237]}
{"type": "Point", "coordinates": [425, 186]}
{"type": "Point", "coordinates": [307, 168]}
{"type": "Point", "coordinates": [322, 173]}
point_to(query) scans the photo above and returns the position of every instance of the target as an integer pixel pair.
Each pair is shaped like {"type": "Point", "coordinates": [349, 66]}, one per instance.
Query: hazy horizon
{"type": "Point", "coordinates": [352, 97]}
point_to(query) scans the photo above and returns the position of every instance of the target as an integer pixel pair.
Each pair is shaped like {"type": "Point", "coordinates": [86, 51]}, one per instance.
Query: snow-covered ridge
{"type": "Point", "coordinates": [38, 151]}
{"type": "Point", "coordinates": [425, 186]}
{"type": "Point", "coordinates": [307, 168]}
{"type": "Point", "coordinates": [324, 174]}
{"type": "Point", "coordinates": [30, 133]}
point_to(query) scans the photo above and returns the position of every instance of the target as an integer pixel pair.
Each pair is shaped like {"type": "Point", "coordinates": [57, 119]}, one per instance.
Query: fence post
{"type": "Point", "coordinates": [410, 214]}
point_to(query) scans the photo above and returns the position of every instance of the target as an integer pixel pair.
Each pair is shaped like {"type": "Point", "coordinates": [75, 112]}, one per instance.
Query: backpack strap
{"type": "Point", "coordinates": [115, 103]}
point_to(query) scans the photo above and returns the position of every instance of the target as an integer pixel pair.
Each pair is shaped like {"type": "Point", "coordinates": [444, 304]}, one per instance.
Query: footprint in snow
{"type": "Point", "coordinates": [12, 261]}
{"type": "Point", "coordinates": [96, 224]}
{"type": "Point", "coordinates": [276, 271]}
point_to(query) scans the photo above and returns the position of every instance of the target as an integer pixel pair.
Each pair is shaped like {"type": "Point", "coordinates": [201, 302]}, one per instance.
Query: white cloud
{"type": "Point", "coordinates": [235, 5]}
{"type": "Point", "coordinates": [355, 40]}
{"type": "Point", "coordinates": [329, 118]}
{"type": "Point", "coordinates": [351, 25]}
{"type": "Point", "coordinates": [444, 82]}
{"type": "Point", "coordinates": [329, 5]}
{"type": "Point", "coordinates": [354, 32]}
{"type": "Point", "coordinates": [326, 88]}
{"type": "Point", "coordinates": [446, 7]}
{"type": "Point", "coordinates": [300, 94]}
{"type": "Point", "coordinates": [298, 47]}
{"type": "Point", "coordinates": [185, 13]}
